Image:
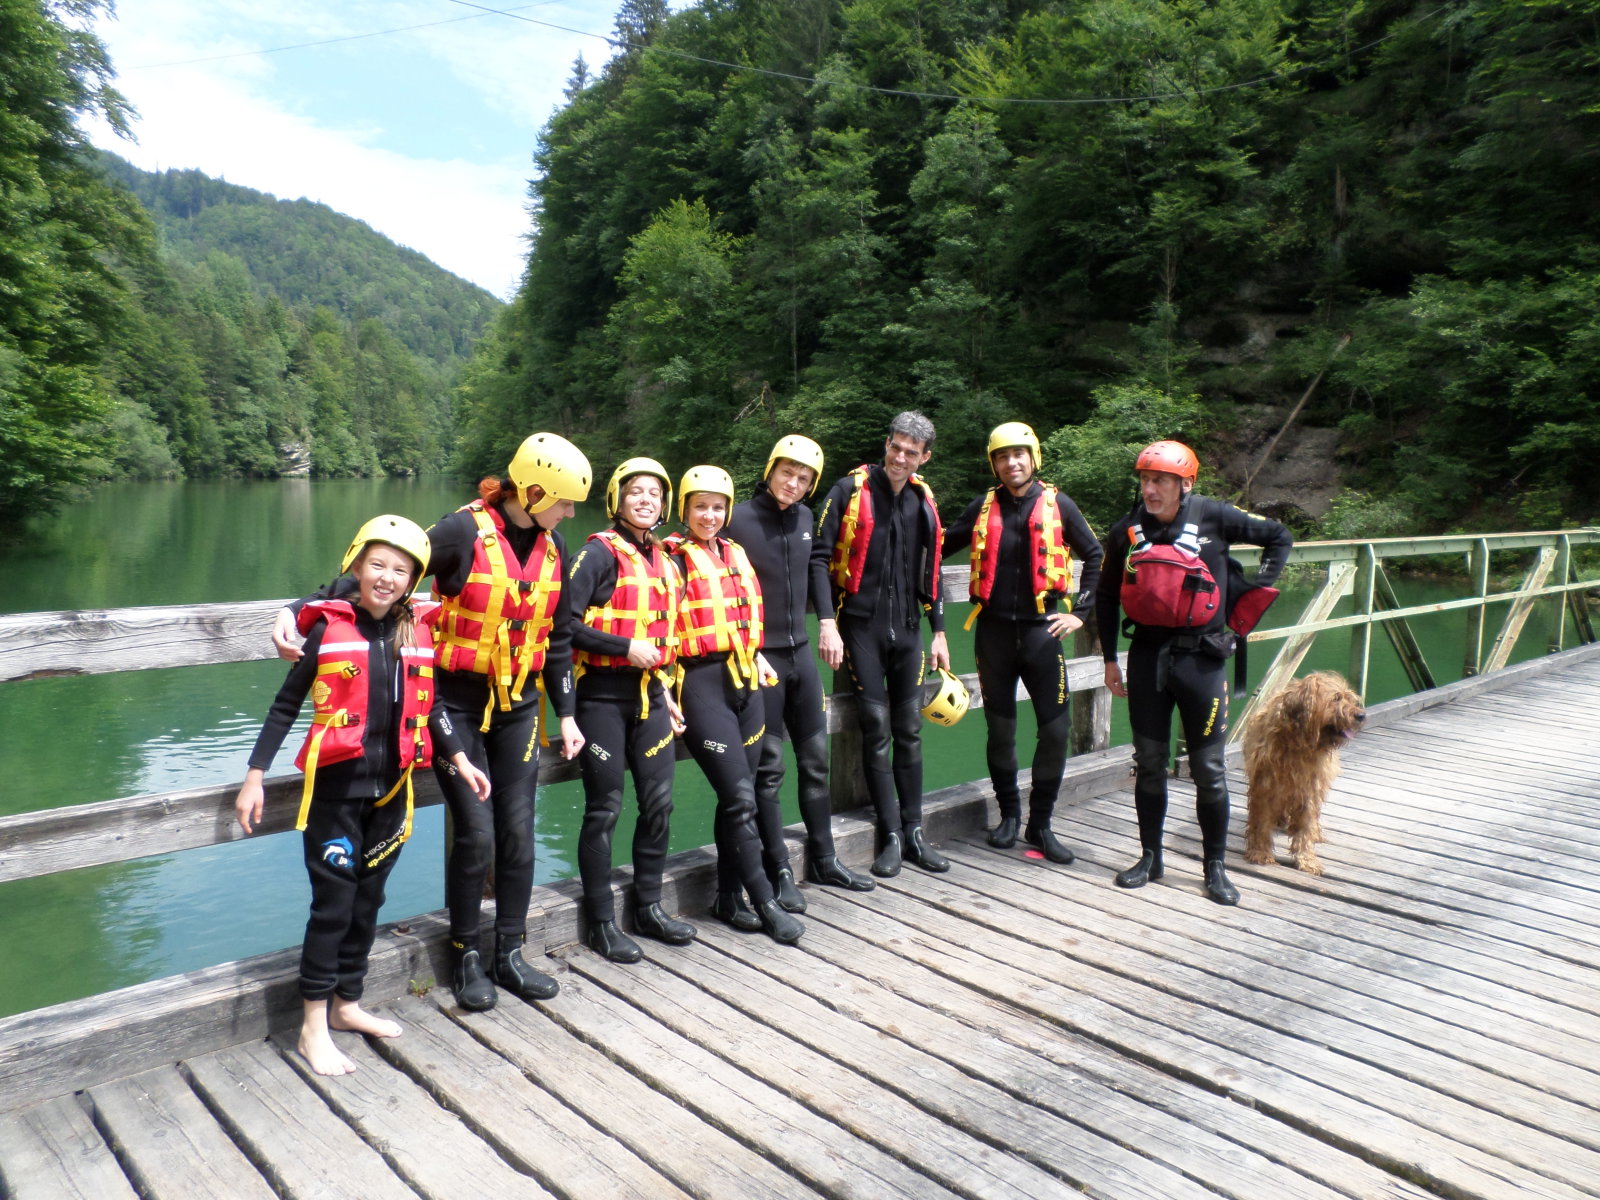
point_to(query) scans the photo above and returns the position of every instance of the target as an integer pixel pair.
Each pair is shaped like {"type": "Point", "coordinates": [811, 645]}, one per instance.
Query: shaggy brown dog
{"type": "Point", "coordinates": [1291, 758]}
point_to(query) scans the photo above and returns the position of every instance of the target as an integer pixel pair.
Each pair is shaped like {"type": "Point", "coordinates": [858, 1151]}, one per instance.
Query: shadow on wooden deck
{"type": "Point", "coordinates": [1422, 1020]}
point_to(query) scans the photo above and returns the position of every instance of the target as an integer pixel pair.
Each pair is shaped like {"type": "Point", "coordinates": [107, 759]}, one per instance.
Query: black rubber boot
{"type": "Point", "coordinates": [780, 926]}
{"type": "Point", "coordinates": [652, 921]}
{"type": "Point", "coordinates": [731, 909]}
{"type": "Point", "coordinates": [1217, 886]}
{"type": "Point", "coordinates": [924, 855]}
{"type": "Point", "coordinates": [512, 972]}
{"type": "Point", "coordinates": [1004, 835]}
{"type": "Point", "coordinates": [606, 940]}
{"type": "Point", "coordinates": [829, 870]}
{"type": "Point", "coordinates": [473, 988]}
{"type": "Point", "coordinates": [1041, 838]}
{"type": "Point", "coordinates": [789, 897]}
{"type": "Point", "coordinates": [887, 864]}
{"type": "Point", "coordinates": [1142, 872]}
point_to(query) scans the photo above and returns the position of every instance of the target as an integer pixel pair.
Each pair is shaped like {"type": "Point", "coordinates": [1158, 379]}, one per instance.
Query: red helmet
{"type": "Point", "coordinates": [1172, 457]}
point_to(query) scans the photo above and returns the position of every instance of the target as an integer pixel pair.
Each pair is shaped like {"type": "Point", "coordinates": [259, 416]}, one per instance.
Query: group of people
{"type": "Point", "coordinates": [636, 640]}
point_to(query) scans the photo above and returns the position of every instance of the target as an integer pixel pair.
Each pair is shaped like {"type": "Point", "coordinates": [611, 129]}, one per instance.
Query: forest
{"type": "Point", "coordinates": [1115, 219]}
{"type": "Point", "coordinates": [175, 326]}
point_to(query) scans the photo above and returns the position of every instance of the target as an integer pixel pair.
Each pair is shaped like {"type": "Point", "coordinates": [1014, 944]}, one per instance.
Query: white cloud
{"type": "Point", "coordinates": [226, 117]}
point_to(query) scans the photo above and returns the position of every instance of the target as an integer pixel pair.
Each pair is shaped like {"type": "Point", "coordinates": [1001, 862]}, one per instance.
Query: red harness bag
{"type": "Point", "coordinates": [1170, 586]}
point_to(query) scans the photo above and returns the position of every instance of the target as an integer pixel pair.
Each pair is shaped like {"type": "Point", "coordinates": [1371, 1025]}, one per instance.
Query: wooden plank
{"type": "Point", "coordinates": [1444, 960]}
{"type": "Point", "coordinates": [290, 1134]}
{"type": "Point", "coordinates": [1528, 1080]}
{"type": "Point", "coordinates": [170, 1145]}
{"type": "Point", "coordinates": [752, 1141]}
{"type": "Point", "coordinates": [531, 1128]}
{"type": "Point", "coordinates": [101, 641]}
{"type": "Point", "coordinates": [1292, 1078]}
{"type": "Point", "coordinates": [669, 1022]}
{"type": "Point", "coordinates": [1106, 841]}
{"type": "Point", "coordinates": [1515, 923]}
{"type": "Point", "coordinates": [1044, 1092]}
{"type": "Point", "coordinates": [55, 1050]}
{"type": "Point", "coordinates": [1244, 1152]}
{"type": "Point", "coordinates": [428, 1146]}
{"type": "Point", "coordinates": [954, 1098]}
{"type": "Point", "coordinates": [51, 1151]}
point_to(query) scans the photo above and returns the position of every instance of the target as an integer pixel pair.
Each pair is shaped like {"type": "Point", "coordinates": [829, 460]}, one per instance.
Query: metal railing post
{"type": "Point", "coordinates": [1361, 635]}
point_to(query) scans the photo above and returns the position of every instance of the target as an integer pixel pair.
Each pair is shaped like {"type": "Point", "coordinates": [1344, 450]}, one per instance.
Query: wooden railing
{"type": "Point", "coordinates": [38, 645]}
{"type": "Point", "coordinates": [42, 645]}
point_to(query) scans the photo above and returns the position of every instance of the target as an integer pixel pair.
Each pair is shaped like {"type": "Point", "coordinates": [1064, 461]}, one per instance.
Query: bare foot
{"type": "Point", "coordinates": [348, 1015]}
{"type": "Point", "coordinates": [317, 1048]}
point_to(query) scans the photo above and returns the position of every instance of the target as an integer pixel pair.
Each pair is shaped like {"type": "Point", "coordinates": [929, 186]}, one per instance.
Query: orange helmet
{"type": "Point", "coordinates": [1172, 457]}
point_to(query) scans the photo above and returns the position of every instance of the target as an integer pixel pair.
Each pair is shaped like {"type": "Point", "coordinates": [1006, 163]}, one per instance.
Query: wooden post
{"type": "Point", "coordinates": [1091, 710]}
{"type": "Point", "coordinates": [847, 780]}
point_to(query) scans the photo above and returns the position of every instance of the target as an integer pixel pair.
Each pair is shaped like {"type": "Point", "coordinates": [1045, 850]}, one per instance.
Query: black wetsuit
{"type": "Point", "coordinates": [880, 627]}
{"type": "Point", "coordinates": [1013, 642]}
{"type": "Point", "coordinates": [1168, 668]}
{"type": "Point", "coordinates": [778, 543]}
{"type": "Point", "coordinates": [618, 740]}
{"type": "Point", "coordinates": [500, 830]}
{"type": "Point", "coordinates": [350, 844]}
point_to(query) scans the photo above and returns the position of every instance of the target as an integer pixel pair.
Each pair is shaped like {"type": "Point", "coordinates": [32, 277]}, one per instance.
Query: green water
{"type": "Point", "coordinates": [79, 740]}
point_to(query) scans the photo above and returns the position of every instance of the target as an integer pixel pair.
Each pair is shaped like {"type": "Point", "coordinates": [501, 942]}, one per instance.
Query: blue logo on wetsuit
{"type": "Point", "coordinates": [337, 852]}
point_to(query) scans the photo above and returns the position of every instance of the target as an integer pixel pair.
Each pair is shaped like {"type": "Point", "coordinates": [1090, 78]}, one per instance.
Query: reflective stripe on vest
{"type": "Point", "coordinates": [643, 605]}
{"type": "Point", "coordinates": [721, 608]}
{"type": "Point", "coordinates": [1049, 557]}
{"type": "Point", "coordinates": [499, 625]}
{"type": "Point", "coordinates": [849, 559]}
{"type": "Point", "coordinates": [340, 692]}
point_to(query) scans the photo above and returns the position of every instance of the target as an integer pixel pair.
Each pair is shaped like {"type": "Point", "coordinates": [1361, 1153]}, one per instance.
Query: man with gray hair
{"type": "Point", "coordinates": [879, 534]}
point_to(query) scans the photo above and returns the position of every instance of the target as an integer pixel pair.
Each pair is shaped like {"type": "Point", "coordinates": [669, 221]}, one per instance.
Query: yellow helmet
{"type": "Point", "coordinates": [638, 466]}
{"type": "Point", "coordinates": [1014, 433]}
{"type": "Point", "coordinates": [399, 532]}
{"type": "Point", "coordinates": [798, 449]}
{"type": "Point", "coordinates": [704, 479]}
{"type": "Point", "coordinates": [553, 464]}
{"type": "Point", "coordinates": [949, 703]}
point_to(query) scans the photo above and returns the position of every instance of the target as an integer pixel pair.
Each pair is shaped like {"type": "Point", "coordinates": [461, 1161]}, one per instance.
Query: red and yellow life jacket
{"type": "Point", "coordinates": [1049, 557]}
{"type": "Point", "coordinates": [721, 609]}
{"type": "Point", "coordinates": [500, 623]}
{"type": "Point", "coordinates": [341, 688]}
{"type": "Point", "coordinates": [855, 534]}
{"type": "Point", "coordinates": [643, 605]}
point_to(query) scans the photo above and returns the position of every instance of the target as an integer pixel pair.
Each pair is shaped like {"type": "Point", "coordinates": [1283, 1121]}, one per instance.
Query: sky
{"type": "Point", "coordinates": [426, 134]}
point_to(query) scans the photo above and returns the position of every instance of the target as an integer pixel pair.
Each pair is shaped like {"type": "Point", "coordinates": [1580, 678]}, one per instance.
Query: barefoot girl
{"type": "Point", "coordinates": [368, 667]}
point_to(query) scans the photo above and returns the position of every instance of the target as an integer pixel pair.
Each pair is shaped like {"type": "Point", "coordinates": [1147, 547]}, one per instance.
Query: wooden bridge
{"type": "Point", "coordinates": [1423, 1020]}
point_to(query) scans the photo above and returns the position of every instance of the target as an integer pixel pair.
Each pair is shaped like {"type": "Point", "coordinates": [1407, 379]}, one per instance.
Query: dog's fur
{"type": "Point", "coordinates": [1291, 758]}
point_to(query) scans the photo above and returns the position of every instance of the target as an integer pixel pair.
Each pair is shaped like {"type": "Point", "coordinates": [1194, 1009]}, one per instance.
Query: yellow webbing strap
{"type": "Point", "coordinates": [323, 720]}
{"type": "Point", "coordinates": [405, 778]}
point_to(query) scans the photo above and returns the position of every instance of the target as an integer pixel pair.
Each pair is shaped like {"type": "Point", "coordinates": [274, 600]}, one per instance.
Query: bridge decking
{"type": "Point", "coordinates": [1423, 1020]}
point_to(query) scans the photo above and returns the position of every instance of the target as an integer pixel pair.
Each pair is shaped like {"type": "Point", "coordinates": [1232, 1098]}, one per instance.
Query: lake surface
{"type": "Point", "coordinates": [80, 740]}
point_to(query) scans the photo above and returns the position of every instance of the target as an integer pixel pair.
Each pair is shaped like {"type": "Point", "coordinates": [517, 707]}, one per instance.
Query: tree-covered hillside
{"type": "Point", "coordinates": [1112, 218]}
{"type": "Point", "coordinates": [310, 256]}
{"type": "Point", "coordinates": [246, 337]}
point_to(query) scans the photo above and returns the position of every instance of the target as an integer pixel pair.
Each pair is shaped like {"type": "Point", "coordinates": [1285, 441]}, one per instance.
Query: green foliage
{"type": "Point", "coordinates": [59, 302]}
{"type": "Point", "coordinates": [1093, 462]}
{"type": "Point", "coordinates": [1356, 515]}
{"type": "Point", "coordinates": [1196, 176]}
